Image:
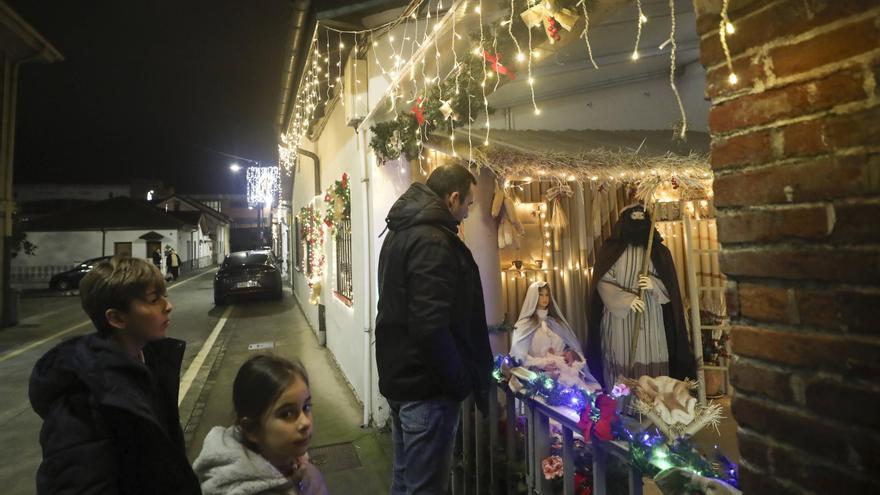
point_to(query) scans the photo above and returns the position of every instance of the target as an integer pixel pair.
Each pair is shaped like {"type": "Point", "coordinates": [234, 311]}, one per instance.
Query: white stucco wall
{"type": "Point", "coordinates": [642, 105]}
{"type": "Point", "coordinates": [60, 250]}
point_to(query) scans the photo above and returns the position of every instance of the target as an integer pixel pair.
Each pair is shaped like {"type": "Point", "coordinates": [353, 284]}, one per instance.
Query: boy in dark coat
{"type": "Point", "coordinates": [109, 399]}
{"type": "Point", "coordinates": [432, 344]}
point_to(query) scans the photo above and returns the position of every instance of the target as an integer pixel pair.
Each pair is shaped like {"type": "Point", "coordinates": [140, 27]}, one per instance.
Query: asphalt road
{"type": "Point", "coordinates": [45, 320]}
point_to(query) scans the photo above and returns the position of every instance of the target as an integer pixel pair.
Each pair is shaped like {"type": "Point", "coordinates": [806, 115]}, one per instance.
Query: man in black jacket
{"type": "Point", "coordinates": [432, 343]}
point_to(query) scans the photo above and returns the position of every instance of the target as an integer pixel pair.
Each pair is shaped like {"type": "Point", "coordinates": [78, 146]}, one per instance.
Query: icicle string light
{"type": "Point", "coordinates": [641, 20]}
{"type": "Point", "coordinates": [532, 81]}
{"type": "Point", "coordinates": [479, 54]}
{"type": "Point", "coordinates": [519, 54]}
{"type": "Point", "coordinates": [725, 28]}
{"type": "Point", "coordinates": [682, 134]}
{"type": "Point", "coordinates": [586, 33]}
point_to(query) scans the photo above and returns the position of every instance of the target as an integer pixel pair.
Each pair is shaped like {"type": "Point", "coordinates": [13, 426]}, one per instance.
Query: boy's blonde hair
{"type": "Point", "coordinates": [115, 284]}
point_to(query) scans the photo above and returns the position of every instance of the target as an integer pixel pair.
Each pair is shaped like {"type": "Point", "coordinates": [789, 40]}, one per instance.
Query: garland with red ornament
{"type": "Point", "coordinates": [650, 450]}
{"type": "Point", "coordinates": [312, 233]}
{"type": "Point", "coordinates": [338, 200]}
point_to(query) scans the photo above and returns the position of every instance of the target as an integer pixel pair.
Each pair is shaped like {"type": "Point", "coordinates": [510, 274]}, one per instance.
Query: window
{"type": "Point", "coordinates": [343, 260]}
{"type": "Point", "coordinates": [122, 248]}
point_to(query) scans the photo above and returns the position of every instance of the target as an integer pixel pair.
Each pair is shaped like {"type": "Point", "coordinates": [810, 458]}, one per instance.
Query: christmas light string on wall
{"type": "Point", "coordinates": [424, 24]}
{"type": "Point", "coordinates": [726, 28]}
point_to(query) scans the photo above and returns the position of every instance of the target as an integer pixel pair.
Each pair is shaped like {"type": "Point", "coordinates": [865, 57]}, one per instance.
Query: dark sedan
{"type": "Point", "coordinates": [248, 272]}
{"type": "Point", "coordinates": [70, 279]}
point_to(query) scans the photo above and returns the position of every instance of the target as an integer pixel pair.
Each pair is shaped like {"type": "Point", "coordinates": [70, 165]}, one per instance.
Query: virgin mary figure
{"type": "Point", "coordinates": [543, 339]}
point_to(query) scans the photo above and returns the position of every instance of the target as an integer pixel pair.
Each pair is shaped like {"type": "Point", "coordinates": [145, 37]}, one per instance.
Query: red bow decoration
{"type": "Point", "coordinates": [601, 429]}
{"type": "Point", "coordinates": [417, 109]}
{"type": "Point", "coordinates": [497, 66]}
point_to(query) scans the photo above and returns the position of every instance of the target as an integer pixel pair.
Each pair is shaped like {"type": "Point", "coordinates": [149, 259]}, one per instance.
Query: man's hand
{"type": "Point", "coordinates": [570, 356]}
{"type": "Point", "coordinates": [637, 305]}
{"type": "Point", "coordinates": [645, 282]}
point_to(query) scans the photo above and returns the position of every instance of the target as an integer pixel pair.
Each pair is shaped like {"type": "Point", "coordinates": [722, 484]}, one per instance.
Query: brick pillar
{"type": "Point", "coordinates": [796, 153]}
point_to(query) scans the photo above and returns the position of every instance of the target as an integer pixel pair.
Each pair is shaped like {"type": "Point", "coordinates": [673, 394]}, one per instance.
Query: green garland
{"type": "Point", "coordinates": [402, 136]}
{"type": "Point", "coordinates": [338, 199]}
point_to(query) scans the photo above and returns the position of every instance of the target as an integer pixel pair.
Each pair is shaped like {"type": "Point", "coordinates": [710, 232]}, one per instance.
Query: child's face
{"type": "Point", "coordinates": [286, 429]}
{"type": "Point", "coordinates": [148, 317]}
{"type": "Point", "coordinates": [543, 298]}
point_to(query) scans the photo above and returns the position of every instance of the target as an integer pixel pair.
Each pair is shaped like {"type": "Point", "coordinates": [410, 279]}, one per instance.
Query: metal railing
{"type": "Point", "coordinates": [485, 465]}
{"type": "Point", "coordinates": [343, 259]}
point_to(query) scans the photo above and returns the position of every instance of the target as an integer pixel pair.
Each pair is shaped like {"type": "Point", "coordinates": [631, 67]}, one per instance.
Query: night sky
{"type": "Point", "coordinates": [149, 88]}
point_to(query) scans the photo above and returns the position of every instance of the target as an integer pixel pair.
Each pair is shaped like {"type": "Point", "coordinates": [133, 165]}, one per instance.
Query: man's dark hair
{"type": "Point", "coordinates": [447, 179]}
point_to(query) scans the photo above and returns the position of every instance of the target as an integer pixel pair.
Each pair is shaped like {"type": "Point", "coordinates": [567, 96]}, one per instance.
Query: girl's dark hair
{"type": "Point", "coordinates": [259, 383]}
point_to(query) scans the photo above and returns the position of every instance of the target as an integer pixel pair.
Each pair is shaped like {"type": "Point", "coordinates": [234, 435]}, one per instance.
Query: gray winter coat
{"type": "Point", "coordinates": [226, 467]}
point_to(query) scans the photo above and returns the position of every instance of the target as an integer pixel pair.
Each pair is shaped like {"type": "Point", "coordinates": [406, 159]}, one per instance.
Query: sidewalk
{"type": "Point", "coordinates": [352, 459]}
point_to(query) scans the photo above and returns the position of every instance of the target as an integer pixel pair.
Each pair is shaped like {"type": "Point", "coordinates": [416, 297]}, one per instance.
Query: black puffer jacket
{"type": "Point", "coordinates": [431, 334]}
{"type": "Point", "coordinates": [110, 423]}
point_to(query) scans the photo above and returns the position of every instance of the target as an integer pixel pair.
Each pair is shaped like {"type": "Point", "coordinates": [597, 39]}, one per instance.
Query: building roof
{"type": "Point", "coordinates": [196, 204]}
{"type": "Point", "coordinates": [190, 217]}
{"type": "Point", "coordinates": [21, 41]}
{"type": "Point", "coordinates": [113, 214]}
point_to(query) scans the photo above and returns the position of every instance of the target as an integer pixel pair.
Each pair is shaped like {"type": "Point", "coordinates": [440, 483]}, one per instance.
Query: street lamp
{"type": "Point", "coordinates": [235, 167]}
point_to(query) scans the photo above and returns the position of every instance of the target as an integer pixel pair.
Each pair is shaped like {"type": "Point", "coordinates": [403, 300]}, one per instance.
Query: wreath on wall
{"type": "Point", "coordinates": [395, 137]}
{"type": "Point", "coordinates": [338, 200]}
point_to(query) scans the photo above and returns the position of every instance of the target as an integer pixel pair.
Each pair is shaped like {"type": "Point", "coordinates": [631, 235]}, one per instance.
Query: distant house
{"type": "Point", "coordinates": [115, 226]}
{"type": "Point", "coordinates": [217, 224]}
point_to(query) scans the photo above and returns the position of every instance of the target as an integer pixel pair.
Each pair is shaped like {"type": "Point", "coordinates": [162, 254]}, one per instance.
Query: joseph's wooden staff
{"type": "Point", "coordinates": [634, 343]}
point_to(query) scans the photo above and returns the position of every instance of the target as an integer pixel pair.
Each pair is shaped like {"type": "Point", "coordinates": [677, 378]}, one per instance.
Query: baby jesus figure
{"type": "Point", "coordinates": [543, 339]}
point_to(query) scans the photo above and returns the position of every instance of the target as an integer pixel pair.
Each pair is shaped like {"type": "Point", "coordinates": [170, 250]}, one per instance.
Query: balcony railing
{"type": "Point", "coordinates": [488, 464]}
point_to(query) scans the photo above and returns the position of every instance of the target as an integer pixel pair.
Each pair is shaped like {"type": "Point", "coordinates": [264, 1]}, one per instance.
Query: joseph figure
{"type": "Point", "coordinates": [663, 344]}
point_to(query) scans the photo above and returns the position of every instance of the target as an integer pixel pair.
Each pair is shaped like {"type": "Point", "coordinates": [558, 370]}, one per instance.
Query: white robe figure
{"type": "Point", "coordinates": [540, 337]}
{"type": "Point", "coordinates": [618, 288]}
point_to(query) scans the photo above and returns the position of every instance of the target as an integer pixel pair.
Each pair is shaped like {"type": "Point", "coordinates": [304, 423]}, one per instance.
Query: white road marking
{"type": "Point", "coordinates": [12, 354]}
{"type": "Point", "coordinates": [196, 363]}
{"type": "Point", "coordinates": [20, 350]}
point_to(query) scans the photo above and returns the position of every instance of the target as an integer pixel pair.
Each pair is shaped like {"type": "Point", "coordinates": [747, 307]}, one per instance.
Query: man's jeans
{"type": "Point", "coordinates": [423, 433]}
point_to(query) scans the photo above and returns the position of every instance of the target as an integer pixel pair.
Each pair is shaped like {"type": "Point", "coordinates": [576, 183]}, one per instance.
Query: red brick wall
{"type": "Point", "coordinates": [796, 153]}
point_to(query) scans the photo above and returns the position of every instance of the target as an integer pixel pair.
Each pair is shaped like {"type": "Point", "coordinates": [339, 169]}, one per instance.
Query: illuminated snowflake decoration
{"type": "Point", "coordinates": [263, 185]}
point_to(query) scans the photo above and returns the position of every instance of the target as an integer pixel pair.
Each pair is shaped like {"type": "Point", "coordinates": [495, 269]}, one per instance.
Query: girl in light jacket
{"type": "Point", "coordinates": [265, 451]}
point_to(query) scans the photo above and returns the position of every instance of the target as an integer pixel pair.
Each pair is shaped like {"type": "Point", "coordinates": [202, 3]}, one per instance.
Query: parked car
{"type": "Point", "coordinates": [70, 279]}
{"type": "Point", "coordinates": [248, 272]}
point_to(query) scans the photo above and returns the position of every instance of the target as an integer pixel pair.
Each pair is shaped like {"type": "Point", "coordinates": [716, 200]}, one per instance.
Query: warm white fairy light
{"type": "Point", "coordinates": [586, 33]}
{"type": "Point", "coordinates": [683, 131]}
{"type": "Point", "coordinates": [642, 19]}
{"type": "Point", "coordinates": [520, 57]}
{"type": "Point", "coordinates": [483, 64]}
{"type": "Point", "coordinates": [725, 28]}
{"type": "Point", "coordinates": [532, 81]}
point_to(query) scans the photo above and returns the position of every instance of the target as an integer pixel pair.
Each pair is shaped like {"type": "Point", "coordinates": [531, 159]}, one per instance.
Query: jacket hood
{"type": "Point", "coordinates": [225, 466]}
{"type": "Point", "coordinates": [91, 363]}
{"type": "Point", "coordinates": [419, 205]}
